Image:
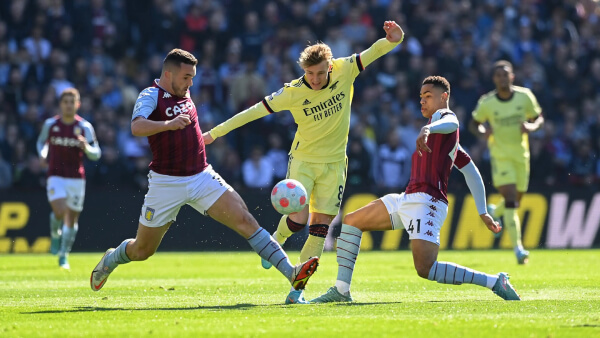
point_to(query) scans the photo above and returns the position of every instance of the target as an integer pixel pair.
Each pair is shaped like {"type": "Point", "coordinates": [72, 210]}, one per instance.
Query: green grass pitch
{"type": "Point", "coordinates": [229, 294]}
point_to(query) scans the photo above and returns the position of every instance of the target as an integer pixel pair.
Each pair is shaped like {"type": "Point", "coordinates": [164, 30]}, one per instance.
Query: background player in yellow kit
{"type": "Point", "coordinates": [511, 113]}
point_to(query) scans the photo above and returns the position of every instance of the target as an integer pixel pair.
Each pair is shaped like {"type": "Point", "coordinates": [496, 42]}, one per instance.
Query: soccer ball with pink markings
{"type": "Point", "coordinates": [288, 196]}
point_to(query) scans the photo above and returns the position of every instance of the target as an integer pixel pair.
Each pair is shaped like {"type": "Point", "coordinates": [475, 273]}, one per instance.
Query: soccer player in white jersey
{"type": "Point", "coordinates": [423, 207]}
{"type": "Point", "coordinates": [320, 104]}
{"type": "Point", "coordinates": [62, 143]}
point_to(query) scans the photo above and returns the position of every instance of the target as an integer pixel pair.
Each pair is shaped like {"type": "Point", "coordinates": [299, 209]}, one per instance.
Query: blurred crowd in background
{"type": "Point", "coordinates": [112, 49]}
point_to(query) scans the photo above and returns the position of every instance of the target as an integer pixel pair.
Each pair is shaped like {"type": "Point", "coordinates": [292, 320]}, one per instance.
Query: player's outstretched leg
{"type": "Point", "coordinates": [55, 232]}
{"type": "Point", "coordinates": [111, 259]}
{"type": "Point", "coordinates": [285, 229]}
{"type": "Point", "coordinates": [451, 273]}
{"type": "Point", "coordinates": [268, 249]}
{"type": "Point", "coordinates": [504, 289]}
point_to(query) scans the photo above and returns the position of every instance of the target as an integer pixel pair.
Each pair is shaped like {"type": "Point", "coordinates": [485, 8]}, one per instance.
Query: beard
{"type": "Point", "coordinates": [179, 91]}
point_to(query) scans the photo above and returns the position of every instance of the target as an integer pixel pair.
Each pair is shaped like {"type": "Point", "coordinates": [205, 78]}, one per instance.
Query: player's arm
{"type": "Point", "coordinates": [394, 36]}
{"type": "Point", "coordinates": [531, 126]}
{"type": "Point", "coordinates": [477, 126]}
{"type": "Point", "coordinates": [445, 123]}
{"type": "Point", "coordinates": [89, 143]}
{"type": "Point", "coordinates": [533, 112]}
{"type": "Point", "coordinates": [255, 112]}
{"type": "Point", "coordinates": [474, 181]}
{"type": "Point", "coordinates": [141, 126]}
{"type": "Point", "coordinates": [41, 145]}
{"type": "Point", "coordinates": [144, 106]}
{"type": "Point", "coordinates": [480, 129]}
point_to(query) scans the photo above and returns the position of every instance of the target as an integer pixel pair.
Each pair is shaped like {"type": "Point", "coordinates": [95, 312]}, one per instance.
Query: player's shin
{"type": "Point", "coordinates": [286, 228]}
{"type": "Point", "coordinates": [268, 249]}
{"type": "Point", "coordinates": [451, 273]}
{"type": "Point", "coordinates": [313, 247]}
{"type": "Point", "coordinates": [348, 246]}
{"type": "Point", "coordinates": [55, 225]}
{"type": "Point", "coordinates": [513, 226]}
{"type": "Point", "coordinates": [500, 208]}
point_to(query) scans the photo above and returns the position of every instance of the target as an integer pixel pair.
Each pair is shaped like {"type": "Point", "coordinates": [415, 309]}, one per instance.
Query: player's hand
{"type": "Point", "coordinates": [422, 141]}
{"type": "Point", "coordinates": [393, 32]}
{"type": "Point", "coordinates": [485, 131]}
{"type": "Point", "coordinates": [179, 122]}
{"type": "Point", "coordinates": [490, 223]}
{"type": "Point", "coordinates": [82, 141]}
{"type": "Point", "coordinates": [526, 127]}
{"type": "Point", "coordinates": [207, 138]}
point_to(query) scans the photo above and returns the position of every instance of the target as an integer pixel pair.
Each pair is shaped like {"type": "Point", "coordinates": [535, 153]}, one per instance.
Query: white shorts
{"type": "Point", "coordinates": [73, 189]}
{"type": "Point", "coordinates": [167, 194]}
{"type": "Point", "coordinates": [421, 215]}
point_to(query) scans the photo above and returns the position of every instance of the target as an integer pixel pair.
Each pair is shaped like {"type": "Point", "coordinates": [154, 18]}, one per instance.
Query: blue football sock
{"type": "Point", "coordinates": [119, 256]}
{"type": "Point", "coordinates": [348, 246]}
{"type": "Point", "coordinates": [267, 248]}
{"type": "Point", "coordinates": [55, 225]}
{"type": "Point", "coordinates": [451, 273]}
{"type": "Point", "coordinates": [68, 238]}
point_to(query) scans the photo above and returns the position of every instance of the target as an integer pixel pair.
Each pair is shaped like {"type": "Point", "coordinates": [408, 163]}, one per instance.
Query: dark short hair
{"type": "Point", "coordinates": [178, 56]}
{"type": "Point", "coordinates": [70, 91]}
{"type": "Point", "coordinates": [503, 64]}
{"type": "Point", "coordinates": [439, 82]}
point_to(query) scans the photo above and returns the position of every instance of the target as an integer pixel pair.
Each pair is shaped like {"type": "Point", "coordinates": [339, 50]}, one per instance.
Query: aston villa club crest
{"type": "Point", "coordinates": [149, 214]}
{"type": "Point", "coordinates": [77, 131]}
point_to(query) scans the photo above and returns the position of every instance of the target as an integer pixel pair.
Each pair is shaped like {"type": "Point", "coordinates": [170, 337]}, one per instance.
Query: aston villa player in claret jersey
{"type": "Point", "coordinates": [423, 207]}
{"type": "Point", "coordinates": [179, 175]}
{"type": "Point", "coordinates": [62, 143]}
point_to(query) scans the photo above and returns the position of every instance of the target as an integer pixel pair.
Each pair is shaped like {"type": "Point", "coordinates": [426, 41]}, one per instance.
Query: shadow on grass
{"type": "Point", "coordinates": [210, 308]}
{"type": "Point", "coordinates": [98, 308]}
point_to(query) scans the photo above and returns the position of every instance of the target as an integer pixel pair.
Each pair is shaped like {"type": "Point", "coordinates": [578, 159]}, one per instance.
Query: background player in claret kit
{"type": "Point", "coordinates": [62, 142]}
{"type": "Point", "coordinates": [423, 207]}
{"type": "Point", "coordinates": [320, 104]}
{"type": "Point", "coordinates": [179, 175]}
{"type": "Point", "coordinates": [508, 111]}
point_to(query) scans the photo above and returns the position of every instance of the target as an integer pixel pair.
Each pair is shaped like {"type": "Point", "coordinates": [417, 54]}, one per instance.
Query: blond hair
{"type": "Point", "coordinates": [315, 54]}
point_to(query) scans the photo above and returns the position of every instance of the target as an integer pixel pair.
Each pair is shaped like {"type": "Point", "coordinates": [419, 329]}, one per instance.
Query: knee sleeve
{"type": "Point", "coordinates": [319, 230]}
{"type": "Point", "coordinates": [293, 226]}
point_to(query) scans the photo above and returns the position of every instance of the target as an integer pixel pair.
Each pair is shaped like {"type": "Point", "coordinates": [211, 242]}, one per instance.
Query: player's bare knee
{"type": "Point", "coordinates": [350, 219]}
{"type": "Point", "coordinates": [59, 213]}
{"type": "Point", "coordinates": [423, 269]}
